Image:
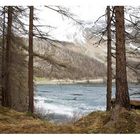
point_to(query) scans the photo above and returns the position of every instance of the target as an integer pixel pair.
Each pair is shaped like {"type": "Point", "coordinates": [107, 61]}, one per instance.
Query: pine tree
{"type": "Point", "coordinates": [3, 61]}
{"type": "Point", "coordinates": [30, 63]}
{"type": "Point", "coordinates": [122, 95]}
{"type": "Point", "coordinates": [109, 61]}
{"type": "Point", "coordinates": [8, 58]}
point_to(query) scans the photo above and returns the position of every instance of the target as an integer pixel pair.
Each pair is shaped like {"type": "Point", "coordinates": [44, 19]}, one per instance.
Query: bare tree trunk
{"type": "Point", "coordinates": [3, 61]}
{"type": "Point", "coordinates": [109, 61]}
{"type": "Point", "coordinates": [122, 95]}
{"type": "Point", "coordinates": [8, 59]}
{"type": "Point", "coordinates": [30, 64]}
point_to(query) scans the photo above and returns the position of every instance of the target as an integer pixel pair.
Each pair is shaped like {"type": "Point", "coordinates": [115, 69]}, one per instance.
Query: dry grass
{"type": "Point", "coordinates": [93, 122]}
{"type": "Point", "coordinates": [16, 122]}
{"type": "Point", "coordinates": [96, 122]}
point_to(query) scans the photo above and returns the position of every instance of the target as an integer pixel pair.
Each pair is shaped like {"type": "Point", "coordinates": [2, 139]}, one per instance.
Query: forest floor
{"type": "Point", "coordinates": [12, 121]}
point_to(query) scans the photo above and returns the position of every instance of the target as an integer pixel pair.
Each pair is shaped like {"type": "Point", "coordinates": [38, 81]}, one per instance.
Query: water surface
{"type": "Point", "coordinates": [62, 102]}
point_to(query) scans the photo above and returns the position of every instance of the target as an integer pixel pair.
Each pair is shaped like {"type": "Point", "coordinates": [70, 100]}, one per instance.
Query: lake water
{"type": "Point", "coordinates": [65, 102]}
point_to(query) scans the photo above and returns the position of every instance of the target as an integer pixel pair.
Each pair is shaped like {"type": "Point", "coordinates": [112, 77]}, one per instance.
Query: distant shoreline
{"type": "Point", "coordinates": [68, 81]}
{"type": "Point", "coordinates": [43, 81]}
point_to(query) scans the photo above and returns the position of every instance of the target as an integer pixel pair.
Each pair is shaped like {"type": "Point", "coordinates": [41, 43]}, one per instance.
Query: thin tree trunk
{"type": "Point", "coordinates": [8, 59]}
{"type": "Point", "coordinates": [109, 61]}
{"type": "Point", "coordinates": [122, 95]}
{"type": "Point", "coordinates": [3, 61]}
{"type": "Point", "coordinates": [30, 64]}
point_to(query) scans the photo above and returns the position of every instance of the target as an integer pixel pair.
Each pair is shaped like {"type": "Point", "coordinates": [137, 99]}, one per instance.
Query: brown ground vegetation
{"type": "Point", "coordinates": [96, 122]}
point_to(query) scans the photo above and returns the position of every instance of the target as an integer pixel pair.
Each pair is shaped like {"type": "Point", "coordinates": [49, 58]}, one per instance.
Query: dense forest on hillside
{"type": "Point", "coordinates": [79, 66]}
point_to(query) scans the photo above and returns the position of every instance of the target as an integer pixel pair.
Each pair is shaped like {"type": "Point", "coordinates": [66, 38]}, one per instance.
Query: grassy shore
{"type": "Point", "coordinates": [96, 122]}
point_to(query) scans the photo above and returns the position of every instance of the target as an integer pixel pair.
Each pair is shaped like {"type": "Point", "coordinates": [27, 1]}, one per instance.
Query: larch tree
{"type": "Point", "coordinates": [122, 95]}
{"type": "Point", "coordinates": [109, 61]}
{"type": "Point", "coordinates": [3, 61]}
{"type": "Point", "coordinates": [30, 63]}
{"type": "Point", "coordinates": [8, 58]}
{"type": "Point", "coordinates": [15, 28]}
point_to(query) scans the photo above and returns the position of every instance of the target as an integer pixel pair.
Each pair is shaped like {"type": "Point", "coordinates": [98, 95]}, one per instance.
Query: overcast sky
{"type": "Point", "coordinates": [88, 10]}
{"type": "Point", "coordinates": [66, 28]}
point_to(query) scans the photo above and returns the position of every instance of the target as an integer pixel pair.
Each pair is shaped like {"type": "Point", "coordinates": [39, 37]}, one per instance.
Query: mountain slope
{"type": "Point", "coordinates": [81, 66]}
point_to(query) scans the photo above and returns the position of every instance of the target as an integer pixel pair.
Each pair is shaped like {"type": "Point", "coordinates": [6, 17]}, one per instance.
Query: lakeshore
{"type": "Point", "coordinates": [68, 81]}
{"type": "Point", "coordinates": [12, 121]}
{"type": "Point", "coordinates": [43, 81]}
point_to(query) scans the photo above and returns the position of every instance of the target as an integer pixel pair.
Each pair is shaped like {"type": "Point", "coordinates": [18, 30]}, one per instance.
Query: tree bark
{"type": "Point", "coordinates": [109, 61]}
{"type": "Point", "coordinates": [3, 61]}
{"type": "Point", "coordinates": [8, 59]}
{"type": "Point", "coordinates": [30, 64]}
{"type": "Point", "coordinates": [122, 95]}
